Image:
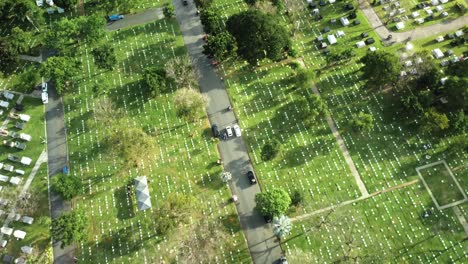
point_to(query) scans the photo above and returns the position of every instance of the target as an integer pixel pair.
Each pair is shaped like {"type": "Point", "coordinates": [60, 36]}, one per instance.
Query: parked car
{"type": "Point", "coordinates": [229, 131]}
{"type": "Point", "coordinates": [115, 17]}
{"type": "Point", "coordinates": [185, 2]}
{"type": "Point", "coordinates": [370, 41]}
{"type": "Point", "coordinates": [251, 177]}
{"type": "Point", "coordinates": [237, 130]}
{"type": "Point", "coordinates": [364, 35]}
{"type": "Point", "coordinates": [214, 129]}
{"type": "Point", "coordinates": [44, 87]}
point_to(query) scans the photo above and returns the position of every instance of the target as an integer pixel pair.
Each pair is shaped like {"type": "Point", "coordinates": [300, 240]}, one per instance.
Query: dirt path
{"type": "Point", "coordinates": [344, 149]}
{"type": "Point", "coordinates": [333, 207]}
{"type": "Point", "coordinates": [417, 33]}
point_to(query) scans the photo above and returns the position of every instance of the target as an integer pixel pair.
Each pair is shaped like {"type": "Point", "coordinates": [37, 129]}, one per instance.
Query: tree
{"type": "Point", "coordinates": [70, 228]}
{"type": "Point", "coordinates": [124, 6]}
{"type": "Point", "coordinates": [270, 150]}
{"type": "Point", "coordinates": [456, 92]}
{"type": "Point", "coordinates": [434, 121]}
{"type": "Point", "coordinates": [189, 104]}
{"type": "Point", "coordinates": [211, 21]}
{"type": "Point", "coordinates": [155, 79]}
{"type": "Point", "coordinates": [310, 108]}
{"type": "Point", "coordinates": [91, 28]}
{"type": "Point", "coordinates": [66, 4]}
{"type": "Point", "coordinates": [180, 69]}
{"type": "Point", "coordinates": [302, 79]}
{"type": "Point", "coordinates": [175, 210]}
{"type": "Point", "coordinates": [362, 122]}
{"type": "Point", "coordinates": [273, 202]}
{"type": "Point", "coordinates": [221, 46]}
{"type": "Point", "coordinates": [61, 71]}
{"type": "Point", "coordinates": [13, 45]}
{"type": "Point", "coordinates": [282, 226]}
{"type": "Point", "coordinates": [27, 79]}
{"type": "Point", "coordinates": [64, 33]}
{"type": "Point", "coordinates": [168, 11]}
{"type": "Point", "coordinates": [258, 36]}
{"type": "Point", "coordinates": [380, 67]}
{"type": "Point", "coordinates": [67, 185]}
{"type": "Point", "coordinates": [105, 112]}
{"type": "Point", "coordinates": [104, 57]}
{"type": "Point", "coordinates": [250, 2]}
{"type": "Point", "coordinates": [19, 40]}
{"type": "Point", "coordinates": [460, 122]}
{"type": "Point", "coordinates": [296, 197]}
{"type": "Point", "coordinates": [203, 4]}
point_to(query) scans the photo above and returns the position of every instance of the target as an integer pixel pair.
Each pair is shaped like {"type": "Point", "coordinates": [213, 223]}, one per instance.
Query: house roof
{"type": "Point", "coordinates": [142, 193]}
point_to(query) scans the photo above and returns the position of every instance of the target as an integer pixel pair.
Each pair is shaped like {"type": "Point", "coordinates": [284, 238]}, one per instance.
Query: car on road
{"type": "Point", "coordinates": [185, 2]}
{"type": "Point", "coordinates": [251, 177]}
{"type": "Point", "coordinates": [229, 131]}
{"type": "Point", "coordinates": [44, 87]}
{"type": "Point", "coordinates": [237, 130]}
{"type": "Point", "coordinates": [283, 260]}
{"type": "Point", "coordinates": [214, 129]}
{"type": "Point", "coordinates": [115, 17]}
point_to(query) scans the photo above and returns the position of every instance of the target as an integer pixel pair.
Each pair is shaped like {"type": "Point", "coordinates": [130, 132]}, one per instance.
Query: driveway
{"type": "Point", "coordinates": [262, 244]}
{"type": "Point", "coordinates": [57, 158]}
{"type": "Point", "coordinates": [144, 17]}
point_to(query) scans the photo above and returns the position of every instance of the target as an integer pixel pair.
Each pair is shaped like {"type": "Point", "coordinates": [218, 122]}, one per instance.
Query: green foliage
{"type": "Point", "coordinates": [211, 21]}
{"type": "Point", "coordinates": [460, 122]}
{"type": "Point", "coordinates": [380, 68]}
{"type": "Point", "coordinates": [70, 228]}
{"type": "Point", "coordinates": [458, 69]}
{"type": "Point", "coordinates": [303, 79]}
{"type": "Point", "coordinates": [66, 4]}
{"type": "Point", "coordinates": [123, 6]}
{"type": "Point", "coordinates": [189, 104]}
{"type": "Point", "coordinates": [175, 210]}
{"type": "Point", "coordinates": [203, 4]}
{"type": "Point", "coordinates": [273, 202]}
{"type": "Point", "coordinates": [155, 79]}
{"type": "Point", "coordinates": [297, 198]}
{"type": "Point", "coordinates": [258, 36]}
{"type": "Point", "coordinates": [221, 46]}
{"type": "Point", "coordinates": [168, 11]}
{"type": "Point", "coordinates": [434, 121]}
{"type": "Point", "coordinates": [456, 92]}
{"type": "Point", "coordinates": [310, 107]}
{"type": "Point", "coordinates": [335, 58]}
{"type": "Point", "coordinates": [250, 2]}
{"type": "Point", "coordinates": [362, 122]}
{"type": "Point", "coordinates": [271, 150]}
{"type": "Point", "coordinates": [180, 69]}
{"type": "Point", "coordinates": [91, 28]}
{"type": "Point", "coordinates": [19, 40]}
{"type": "Point", "coordinates": [12, 46]}
{"type": "Point", "coordinates": [60, 70]}
{"type": "Point", "coordinates": [67, 185]}
{"type": "Point", "coordinates": [104, 57]}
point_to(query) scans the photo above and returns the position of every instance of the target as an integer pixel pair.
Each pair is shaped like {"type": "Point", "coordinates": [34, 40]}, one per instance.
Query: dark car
{"type": "Point", "coordinates": [215, 130]}
{"type": "Point", "coordinates": [364, 35]}
{"type": "Point", "coordinates": [251, 177]}
{"type": "Point", "coordinates": [326, 29]}
{"type": "Point", "coordinates": [349, 7]}
{"type": "Point", "coordinates": [312, 5]}
{"type": "Point", "coordinates": [352, 15]}
{"type": "Point", "coordinates": [370, 41]}
{"type": "Point", "coordinates": [185, 3]}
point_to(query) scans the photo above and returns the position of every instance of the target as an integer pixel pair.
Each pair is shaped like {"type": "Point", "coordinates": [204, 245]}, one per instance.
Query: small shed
{"type": "Point", "coordinates": [419, 20]}
{"type": "Point", "coordinates": [400, 25]}
{"type": "Point", "coordinates": [437, 53]}
{"type": "Point", "coordinates": [27, 220]}
{"type": "Point", "coordinates": [344, 21]}
{"type": "Point", "coordinates": [4, 104]}
{"type": "Point", "coordinates": [25, 137]}
{"type": "Point", "coordinates": [435, 2]}
{"type": "Point", "coordinates": [331, 39]}
{"type": "Point", "coordinates": [440, 39]}
{"type": "Point", "coordinates": [25, 161]}
{"type": "Point", "coordinates": [340, 33]}
{"type": "Point", "coordinates": [459, 33]}
{"type": "Point", "coordinates": [439, 8]}
{"type": "Point", "coordinates": [8, 95]}
{"type": "Point", "coordinates": [415, 14]}
{"type": "Point", "coordinates": [15, 180]}
{"type": "Point", "coordinates": [443, 1]}
{"type": "Point", "coordinates": [6, 230]}
{"type": "Point", "coordinates": [142, 193]}
{"type": "Point", "coordinates": [372, 49]}
{"type": "Point", "coordinates": [360, 44]}
{"type": "Point", "coordinates": [4, 178]}
{"type": "Point", "coordinates": [24, 117]}
{"type": "Point", "coordinates": [26, 249]}
{"type": "Point", "coordinates": [429, 12]}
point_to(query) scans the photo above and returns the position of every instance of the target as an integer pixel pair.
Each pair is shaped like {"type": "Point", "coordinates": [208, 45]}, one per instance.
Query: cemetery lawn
{"type": "Point", "coordinates": [183, 160]}
{"type": "Point", "coordinates": [312, 163]}
{"type": "Point", "coordinates": [410, 7]}
{"type": "Point", "coordinates": [439, 180]}
{"type": "Point", "coordinates": [38, 233]}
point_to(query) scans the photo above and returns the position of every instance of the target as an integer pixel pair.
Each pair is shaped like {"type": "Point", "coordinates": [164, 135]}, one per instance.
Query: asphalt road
{"type": "Point", "coordinates": [263, 245]}
{"type": "Point", "coordinates": [57, 159]}
{"type": "Point", "coordinates": [136, 19]}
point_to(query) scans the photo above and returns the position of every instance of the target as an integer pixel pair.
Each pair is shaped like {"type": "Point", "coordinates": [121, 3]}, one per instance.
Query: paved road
{"type": "Point", "coordinates": [261, 241]}
{"type": "Point", "coordinates": [417, 33]}
{"type": "Point", "coordinates": [57, 159]}
{"type": "Point", "coordinates": [136, 19]}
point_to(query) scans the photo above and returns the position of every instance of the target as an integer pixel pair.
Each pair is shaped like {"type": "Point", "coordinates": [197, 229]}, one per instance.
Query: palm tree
{"type": "Point", "coordinates": [282, 226]}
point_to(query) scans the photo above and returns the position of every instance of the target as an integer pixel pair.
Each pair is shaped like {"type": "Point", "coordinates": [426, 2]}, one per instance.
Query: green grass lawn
{"type": "Point", "coordinates": [410, 7]}
{"type": "Point", "coordinates": [184, 160]}
{"type": "Point", "coordinates": [439, 180]}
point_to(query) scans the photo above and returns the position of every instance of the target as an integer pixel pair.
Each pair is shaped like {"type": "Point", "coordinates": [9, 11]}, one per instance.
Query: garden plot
{"type": "Point", "coordinates": [402, 225]}
{"type": "Point", "coordinates": [183, 161]}
{"type": "Point", "coordinates": [438, 179]}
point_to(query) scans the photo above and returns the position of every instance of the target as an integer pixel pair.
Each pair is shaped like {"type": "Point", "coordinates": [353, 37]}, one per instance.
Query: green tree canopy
{"type": "Point", "coordinates": [104, 56]}
{"type": "Point", "coordinates": [155, 79]}
{"type": "Point", "coordinates": [456, 92]}
{"type": "Point", "coordinates": [302, 79]}
{"type": "Point", "coordinates": [273, 202]}
{"type": "Point", "coordinates": [189, 103]}
{"type": "Point", "coordinates": [70, 228]}
{"type": "Point", "coordinates": [460, 122]}
{"type": "Point", "coordinates": [221, 46]}
{"type": "Point", "coordinates": [211, 21]}
{"type": "Point", "coordinates": [380, 67]}
{"type": "Point", "coordinates": [270, 150]}
{"type": "Point", "coordinates": [168, 11]}
{"type": "Point", "coordinates": [363, 122]}
{"type": "Point", "coordinates": [60, 70]}
{"type": "Point", "coordinates": [203, 4]}
{"type": "Point", "coordinates": [66, 4]}
{"type": "Point", "coordinates": [91, 28]}
{"type": "Point", "coordinates": [175, 210]}
{"type": "Point", "coordinates": [258, 36]}
{"type": "Point", "coordinates": [434, 121]}
{"type": "Point", "coordinates": [68, 186]}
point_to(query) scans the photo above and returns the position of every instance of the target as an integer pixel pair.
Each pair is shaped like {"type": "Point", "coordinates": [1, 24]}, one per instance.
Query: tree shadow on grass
{"type": "Point", "coordinates": [231, 223]}
{"type": "Point", "coordinates": [121, 195]}
{"type": "Point", "coordinates": [212, 181]}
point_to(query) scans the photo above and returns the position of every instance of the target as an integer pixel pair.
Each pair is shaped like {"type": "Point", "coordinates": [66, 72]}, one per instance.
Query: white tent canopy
{"type": "Point", "coordinates": [142, 193]}
{"type": "Point", "coordinates": [331, 39]}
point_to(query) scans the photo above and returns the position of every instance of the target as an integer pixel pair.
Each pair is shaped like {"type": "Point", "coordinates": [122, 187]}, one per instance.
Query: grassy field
{"type": "Point", "coordinates": [387, 156]}
{"type": "Point", "coordinates": [184, 160]}
{"type": "Point", "coordinates": [410, 7]}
